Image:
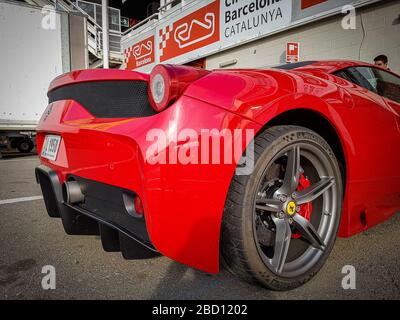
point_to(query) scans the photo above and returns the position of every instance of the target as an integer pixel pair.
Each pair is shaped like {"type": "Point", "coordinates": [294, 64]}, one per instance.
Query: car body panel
{"type": "Point", "coordinates": [351, 110]}
{"type": "Point", "coordinates": [184, 204]}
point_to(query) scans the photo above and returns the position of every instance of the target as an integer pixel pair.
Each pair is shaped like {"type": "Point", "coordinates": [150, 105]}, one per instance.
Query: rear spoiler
{"type": "Point", "coordinates": [96, 75]}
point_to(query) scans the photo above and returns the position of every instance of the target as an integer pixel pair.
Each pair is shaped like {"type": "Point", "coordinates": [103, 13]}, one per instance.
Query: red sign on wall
{"type": "Point", "coordinates": [194, 31]}
{"type": "Point", "coordinates": [292, 52]}
{"type": "Point", "coordinates": [139, 54]}
{"type": "Point", "coordinates": [310, 3]}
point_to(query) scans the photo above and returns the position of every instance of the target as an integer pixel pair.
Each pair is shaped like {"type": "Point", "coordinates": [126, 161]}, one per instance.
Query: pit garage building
{"type": "Point", "coordinates": [260, 33]}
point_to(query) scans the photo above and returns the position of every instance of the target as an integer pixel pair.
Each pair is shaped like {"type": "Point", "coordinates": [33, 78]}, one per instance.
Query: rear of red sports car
{"type": "Point", "coordinates": [94, 174]}
{"type": "Point", "coordinates": [250, 166]}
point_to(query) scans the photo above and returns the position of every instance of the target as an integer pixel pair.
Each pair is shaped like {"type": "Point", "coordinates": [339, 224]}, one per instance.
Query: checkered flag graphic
{"type": "Point", "coordinates": [128, 52]}
{"type": "Point", "coordinates": [164, 34]}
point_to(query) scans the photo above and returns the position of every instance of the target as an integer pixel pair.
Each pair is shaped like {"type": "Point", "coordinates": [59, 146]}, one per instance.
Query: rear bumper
{"type": "Point", "coordinates": [97, 211]}
{"type": "Point", "coordinates": [51, 190]}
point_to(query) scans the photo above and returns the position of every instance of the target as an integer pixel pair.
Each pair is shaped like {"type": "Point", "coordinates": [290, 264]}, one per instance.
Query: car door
{"type": "Point", "coordinates": [376, 128]}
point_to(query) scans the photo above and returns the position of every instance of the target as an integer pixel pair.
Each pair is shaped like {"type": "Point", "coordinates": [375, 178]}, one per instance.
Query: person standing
{"type": "Point", "coordinates": [382, 61]}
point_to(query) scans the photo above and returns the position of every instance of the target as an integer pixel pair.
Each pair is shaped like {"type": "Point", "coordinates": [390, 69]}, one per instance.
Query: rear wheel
{"type": "Point", "coordinates": [280, 222]}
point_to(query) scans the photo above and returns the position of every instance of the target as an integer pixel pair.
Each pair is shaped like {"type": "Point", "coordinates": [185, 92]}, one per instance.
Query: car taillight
{"type": "Point", "coordinates": [167, 83]}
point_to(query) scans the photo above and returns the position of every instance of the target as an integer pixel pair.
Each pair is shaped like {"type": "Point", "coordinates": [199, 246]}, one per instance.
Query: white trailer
{"type": "Point", "coordinates": [36, 47]}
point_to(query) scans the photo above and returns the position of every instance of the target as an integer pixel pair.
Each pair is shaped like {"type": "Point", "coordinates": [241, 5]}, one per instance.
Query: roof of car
{"type": "Point", "coordinates": [328, 66]}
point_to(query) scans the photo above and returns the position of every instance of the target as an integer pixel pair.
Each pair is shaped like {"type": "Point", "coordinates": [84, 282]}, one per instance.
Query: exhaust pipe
{"type": "Point", "coordinates": [72, 193]}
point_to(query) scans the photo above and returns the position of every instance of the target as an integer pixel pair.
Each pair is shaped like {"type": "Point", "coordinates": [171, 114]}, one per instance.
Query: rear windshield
{"type": "Point", "coordinates": [291, 66]}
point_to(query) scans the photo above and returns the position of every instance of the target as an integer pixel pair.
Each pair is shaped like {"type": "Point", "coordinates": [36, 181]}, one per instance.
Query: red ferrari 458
{"type": "Point", "coordinates": [258, 169]}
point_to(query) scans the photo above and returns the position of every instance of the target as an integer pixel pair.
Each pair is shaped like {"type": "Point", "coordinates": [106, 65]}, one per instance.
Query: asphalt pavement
{"type": "Point", "coordinates": [30, 240]}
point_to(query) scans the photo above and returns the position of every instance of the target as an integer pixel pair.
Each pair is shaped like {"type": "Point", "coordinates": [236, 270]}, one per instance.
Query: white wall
{"type": "Point", "coordinates": [30, 57]}
{"type": "Point", "coordinates": [327, 40]}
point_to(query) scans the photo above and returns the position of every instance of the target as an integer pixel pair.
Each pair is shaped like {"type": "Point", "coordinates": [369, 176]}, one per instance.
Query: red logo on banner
{"type": "Point", "coordinates": [310, 3]}
{"type": "Point", "coordinates": [140, 54]}
{"type": "Point", "coordinates": [192, 32]}
{"type": "Point", "coordinates": [292, 52]}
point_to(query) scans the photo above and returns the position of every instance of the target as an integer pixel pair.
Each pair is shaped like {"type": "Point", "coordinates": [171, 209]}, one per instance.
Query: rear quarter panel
{"type": "Point", "coordinates": [366, 128]}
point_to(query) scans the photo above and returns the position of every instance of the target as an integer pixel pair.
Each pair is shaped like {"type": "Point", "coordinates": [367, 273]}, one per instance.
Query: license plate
{"type": "Point", "coordinates": [50, 147]}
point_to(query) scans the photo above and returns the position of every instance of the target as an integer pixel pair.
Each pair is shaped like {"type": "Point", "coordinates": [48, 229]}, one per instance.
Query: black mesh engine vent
{"type": "Point", "coordinates": [108, 99]}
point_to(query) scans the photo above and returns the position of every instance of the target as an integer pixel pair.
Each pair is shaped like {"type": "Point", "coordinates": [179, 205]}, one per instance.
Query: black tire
{"type": "Point", "coordinates": [241, 248]}
{"type": "Point", "coordinates": [25, 145]}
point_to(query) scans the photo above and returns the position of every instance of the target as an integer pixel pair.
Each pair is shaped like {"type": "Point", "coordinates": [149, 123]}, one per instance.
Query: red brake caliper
{"type": "Point", "coordinates": [305, 209]}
